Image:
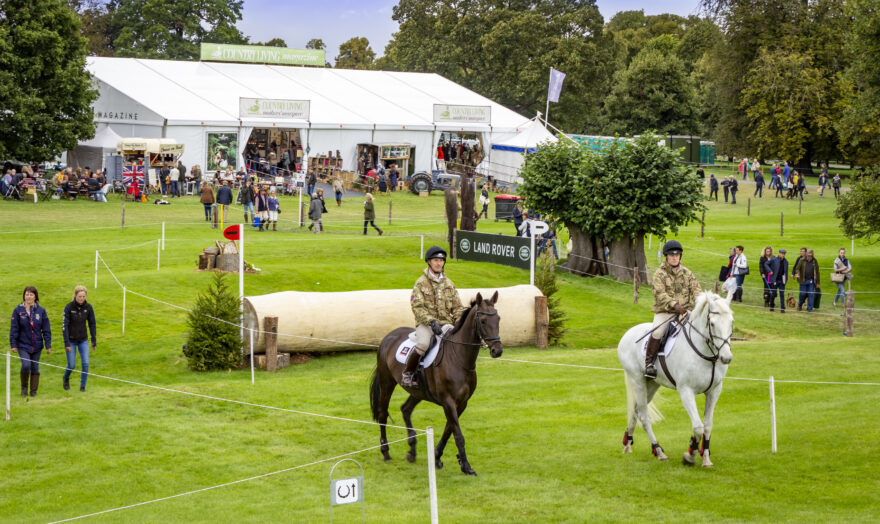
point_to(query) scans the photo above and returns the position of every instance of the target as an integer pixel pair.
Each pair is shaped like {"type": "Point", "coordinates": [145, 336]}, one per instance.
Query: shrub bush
{"type": "Point", "coordinates": [212, 344]}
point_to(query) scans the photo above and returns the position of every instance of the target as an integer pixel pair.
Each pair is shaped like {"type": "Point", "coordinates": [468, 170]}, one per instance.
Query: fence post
{"type": "Point", "coordinates": [389, 211]}
{"type": "Point", "coordinates": [852, 247]}
{"type": "Point", "coordinates": [542, 322]}
{"type": "Point", "coordinates": [800, 201]}
{"type": "Point", "coordinates": [96, 269]}
{"type": "Point", "coordinates": [772, 415]}
{"type": "Point", "coordinates": [270, 326]}
{"type": "Point", "coordinates": [781, 217]}
{"type": "Point", "coordinates": [702, 226]}
{"type": "Point", "coordinates": [749, 207]}
{"type": "Point", "coordinates": [123, 215]}
{"type": "Point", "coordinates": [8, 382]}
{"type": "Point", "coordinates": [123, 310]}
{"type": "Point", "coordinates": [635, 284]}
{"type": "Point", "coordinates": [158, 252]}
{"type": "Point", "coordinates": [163, 236]}
{"type": "Point", "coordinates": [849, 312]}
{"type": "Point", "coordinates": [421, 246]}
{"type": "Point", "coordinates": [432, 474]}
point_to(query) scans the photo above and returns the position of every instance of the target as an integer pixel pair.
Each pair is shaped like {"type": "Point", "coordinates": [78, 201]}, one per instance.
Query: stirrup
{"type": "Point", "coordinates": [650, 372]}
{"type": "Point", "coordinates": [407, 380]}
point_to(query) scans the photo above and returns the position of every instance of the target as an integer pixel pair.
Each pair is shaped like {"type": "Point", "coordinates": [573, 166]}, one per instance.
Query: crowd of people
{"type": "Point", "coordinates": [788, 182]}
{"type": "Point", "coordinates": [775, 272]}
{"type": "Point", "coordinates": [30, 333]}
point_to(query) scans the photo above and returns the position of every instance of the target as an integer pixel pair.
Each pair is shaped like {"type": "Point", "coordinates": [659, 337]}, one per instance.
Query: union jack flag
{"type": "Point", "coordinates": [130, 173]}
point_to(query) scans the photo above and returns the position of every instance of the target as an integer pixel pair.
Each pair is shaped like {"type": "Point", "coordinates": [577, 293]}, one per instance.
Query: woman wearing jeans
{"type": "Point", "coordinates": [77, 314]}
{"type": "Point", "coordinates": [28, 331]}
{"type": "Point", "coordinates": [842, 265]}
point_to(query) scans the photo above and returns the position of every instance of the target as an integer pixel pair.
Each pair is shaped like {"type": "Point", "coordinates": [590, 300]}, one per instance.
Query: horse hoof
{"type": "Point", "coordinates": [387, 459]}
{"type": "Point", "coordinates": [439, 464]}
{"type": "Point", "coordinates": [661, 456]}
{"type": "Point", "coordinates": [627, 449]}
{"type": "Point", "coordinates": [469, 471]}
{"type": "Point", "coordinates": [687, 459]}
{"type": "Point", "coordinates": [411, 457]}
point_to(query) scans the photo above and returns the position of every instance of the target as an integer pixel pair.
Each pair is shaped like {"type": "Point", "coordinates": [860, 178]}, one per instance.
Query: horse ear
{"type": "Point", "coordinates": [479, 299]}
{"type": "Point", "coordinates": [495, 298]}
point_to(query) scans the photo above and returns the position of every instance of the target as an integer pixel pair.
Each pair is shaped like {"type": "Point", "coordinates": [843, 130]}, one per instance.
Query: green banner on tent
{"type": "Point", "coordinates": [500, 249]}
{"type": "Point", "coordinates": [258, 54]}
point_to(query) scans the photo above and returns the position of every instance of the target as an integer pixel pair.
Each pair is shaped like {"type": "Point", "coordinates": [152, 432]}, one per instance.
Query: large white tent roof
{"type": "Point", "coordinates": [207, 93]}
{"type": "Point", "coordinates": [527, 139]}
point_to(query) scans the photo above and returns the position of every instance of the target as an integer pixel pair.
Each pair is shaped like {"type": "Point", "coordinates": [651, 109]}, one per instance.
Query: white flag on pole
{"type": "Point", "coordinates": [555, 87]}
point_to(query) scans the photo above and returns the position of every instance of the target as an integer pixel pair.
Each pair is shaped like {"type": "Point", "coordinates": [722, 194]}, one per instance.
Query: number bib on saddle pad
{"type": "Point", "coordinates": [670, 342]}
{"type": "Point", "coordinates": [409, 344]}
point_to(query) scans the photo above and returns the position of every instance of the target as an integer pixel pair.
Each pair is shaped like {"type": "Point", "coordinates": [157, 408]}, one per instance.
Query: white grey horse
{"type": "Point", "coordinates": [696, 364]}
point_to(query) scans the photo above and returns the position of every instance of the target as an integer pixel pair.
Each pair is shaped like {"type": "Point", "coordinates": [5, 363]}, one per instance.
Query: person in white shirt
{"type": "Point", "coordinates": [739, 270]}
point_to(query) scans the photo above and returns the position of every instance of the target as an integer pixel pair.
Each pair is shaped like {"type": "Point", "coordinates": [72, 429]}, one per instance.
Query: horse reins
{"type": "Point", "coordinates": [484, 340]}
{"type": "Point", "coordinates": [710, 341]}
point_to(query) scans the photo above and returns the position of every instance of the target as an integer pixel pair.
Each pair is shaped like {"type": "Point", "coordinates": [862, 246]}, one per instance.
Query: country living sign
{"type": "Point", "coordinates": [499, 249]}
{"type": "Point", "coordinates": [462, 114]}
{"type": "Point", "coordinates": [257, 54]}
{"type": "Point", "coordinates": [273, 108]}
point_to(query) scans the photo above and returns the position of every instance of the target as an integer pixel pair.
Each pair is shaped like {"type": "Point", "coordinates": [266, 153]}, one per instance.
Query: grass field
{"type": "Point", "coordinates": [544, 439]}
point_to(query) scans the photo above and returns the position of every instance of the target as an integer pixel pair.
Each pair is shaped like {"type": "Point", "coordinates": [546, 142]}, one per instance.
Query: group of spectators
{"type": "Point", "coordinates": [69, 181]}
{"type": "Point", "coordinates": [774, 271]}
{"type": "Point", "coordinates": [788, 183]}
{"type": "Point", "coordinates": [521, 223]}
{"type": "Point", "coordinates": [30, 332]}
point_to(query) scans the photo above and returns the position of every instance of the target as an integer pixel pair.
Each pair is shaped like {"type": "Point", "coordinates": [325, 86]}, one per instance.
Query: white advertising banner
{"type": "Point", "coordinates": [465, 114]}
{"type": "Point", "coordinates": [273, 108]}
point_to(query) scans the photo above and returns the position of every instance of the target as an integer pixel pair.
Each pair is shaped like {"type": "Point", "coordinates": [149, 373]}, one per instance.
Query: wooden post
{"type": "Point", "coordinates": [389, 211]}
{"type": "Point", "coordinates": [749, 207]}
{"type": "Point", "coordinates": [301, 204]}
{"type": "Point", "coordinates": [123, 216]}
{"type": "Point", "coordinates": [716, 287]}
{"type": "Point", "coordinates": [800, 201]}
{"type": "Point", "coordinates": [781, 217]}
{"type": "Point", "coordinates": [542, 322]}
{"type": "Point", "coordinates": [702, 224]}
{"type": "Point", "coordinates": [849, 312]}
{"type": "Point", "coordinates": [635, 284]}
{"type": "Point", "coordinates": [270, 326]}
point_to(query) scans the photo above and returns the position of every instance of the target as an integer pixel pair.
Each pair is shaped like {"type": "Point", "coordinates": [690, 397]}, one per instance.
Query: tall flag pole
{"type": "Point", "coordinates": [553, 90]}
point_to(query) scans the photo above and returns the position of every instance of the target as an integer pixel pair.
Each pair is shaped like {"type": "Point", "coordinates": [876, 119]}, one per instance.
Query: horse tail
{"type": "Point", "coordinates": [374, 394]}
{"type": "Point", "coordinates": [654, 413]}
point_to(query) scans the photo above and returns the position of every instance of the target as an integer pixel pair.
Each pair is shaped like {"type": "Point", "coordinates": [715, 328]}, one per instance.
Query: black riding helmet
{"type": "Point", "coordinates": [435, 252]}
{"type": "Point", "coordinates": [673, 247]}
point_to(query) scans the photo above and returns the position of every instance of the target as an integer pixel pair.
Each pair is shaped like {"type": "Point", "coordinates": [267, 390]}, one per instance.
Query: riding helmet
{"type": "Point", "coordinates": [673, 247]}
{"type": "Point", "coordinates": [435, 252]}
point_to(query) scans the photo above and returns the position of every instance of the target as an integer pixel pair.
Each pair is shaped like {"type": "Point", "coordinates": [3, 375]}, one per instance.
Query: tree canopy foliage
{"type": "Point", "coordinates": [45, 92]}
{"type": "Point", "coordinates": [859, 208]}
{"type": "Point", "coordinates": [355, 53]}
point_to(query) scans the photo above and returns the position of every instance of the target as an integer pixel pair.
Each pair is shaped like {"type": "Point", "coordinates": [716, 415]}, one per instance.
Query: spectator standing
{"type": "Point", "coordinates": [29, 333]}
{"type": "Point", "coordinates": [780, 186]}
{"type": "Point", "coordinates": [739, 270]}
{"type": "Point", "coordinates": [777, 277]}
{"type": "Point", "coordinates": [181, 179]}
{"type": "Point", "coordinates": [823, 181]}
{"type": "Point", "coordinates": [713, 187]}
{"type": "Point", "coordinates": [726, 184]}
{"type": "Point", "coordinates": [338, 188]}
{"type": "Point", "coordinates": [807, 274]}
{"type": "Point", "coordinates": [207, 200]}
{"type": "Point", "coordinates": [274, 209]}
{"type": "Point", "coordinates": [224, 199]}
{"type": "Point", "coordinates": [734, 186]}
{"type": "Point", "coordinates": [742, 167]}
{"type": "Point", "coordinates": [802, 254]}
{"type": "Point", "coordinates": [273, 163]}
{"type": "Point", "coordinates": [756, 167]}
{"type": "Point", "coordinates": [164, 181]}
{"type": "Point", "coordinates": [773, 172]}
{"type": "Point", "coordinates": [312, 182]}
{"type": "Point", "coordinates": [484, 200]}
{"type": "Point", "coordinates": [383, 182]}
{"type": "Point", "coordinates": [759, 185]}
{"type": "Point", "coordinates": [247, 199]}
{"type": "Point", "coordinates": [315, 207]}
{"type": "Point", "coordinates": [517, 217]}
{"type": "Point", "coordinates": [393, 177]}
{"type": "Point", "coordinates": [263, 208]}
{"type": "Point", "coordinates": [766, 256]}
{"type": "Point", "coordinates": [196, 174]}
{"type": "Point", "coordinates": [786, 172]}
{"type": "Point", "coordinates": [78, 323]}
{"type": "Point", "coordinates": [700, 172]}
{"type": "Point", "coordinates": [801, 186]}
{"type": "Point", "coordinates": [835, 184]}
{"type": "Point", "coordinates": [842, 267]}
{"type": "Point", "coordinates": [370, 214]}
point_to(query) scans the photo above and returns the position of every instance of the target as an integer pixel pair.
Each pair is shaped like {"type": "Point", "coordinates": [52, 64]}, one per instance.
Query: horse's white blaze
{"type": "Point", "coordinates": [709, 329]}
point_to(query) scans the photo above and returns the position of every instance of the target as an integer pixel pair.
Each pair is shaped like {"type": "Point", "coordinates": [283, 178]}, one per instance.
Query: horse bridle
{"type": "Point", "coordinates": [484, 340]}
{"type": "Point", "coordinates": [709, 340]}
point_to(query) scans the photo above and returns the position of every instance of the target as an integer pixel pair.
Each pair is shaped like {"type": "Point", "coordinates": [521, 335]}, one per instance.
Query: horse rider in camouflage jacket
{"type": "Point", "coordinates": [435, 302]}
{"type": "Point", "coordinates": [675, 293]}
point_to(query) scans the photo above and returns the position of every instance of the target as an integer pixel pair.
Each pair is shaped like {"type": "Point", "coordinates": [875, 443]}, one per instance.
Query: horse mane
{"type": "Point", "coordinates": [702, 303]}
{"type": "Point", "coordinates": [460, 323]}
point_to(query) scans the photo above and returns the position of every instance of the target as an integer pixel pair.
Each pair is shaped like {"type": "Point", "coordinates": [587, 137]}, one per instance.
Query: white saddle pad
{"type": "Point", "coordinates": [670, 342]}
{"type": "Point", "coordinates": [409, 344]}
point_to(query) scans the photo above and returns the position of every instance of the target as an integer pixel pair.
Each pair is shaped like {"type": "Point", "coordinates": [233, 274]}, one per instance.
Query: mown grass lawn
{"type": "Point", "coordinates": [545, 440]}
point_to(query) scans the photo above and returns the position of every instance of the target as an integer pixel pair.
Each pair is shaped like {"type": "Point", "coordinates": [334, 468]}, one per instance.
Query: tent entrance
{"type": "Point", "coordinates": [461, 151]}
{"type": "Point", "coordinates": [272, 150]}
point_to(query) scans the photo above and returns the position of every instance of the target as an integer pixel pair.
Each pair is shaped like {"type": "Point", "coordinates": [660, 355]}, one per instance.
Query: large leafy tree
{"type": "Point", "coordinates": [355, 53]}
{"type": "Point", "coordinates": [172, 29]}
{"type": "Point", "coordinates": [95, 21]}
{"type": "Point", "coordinates": [859, 124]}
{"type": "Point", "coordinates": [504, 50]}
{"type": "Point", "coordinates": [859, 208]}
{"type": "Point", "coordinates": [612, 198]}
{"type": "Point", "coordinates": [45, 92]}
{"type": "Point", "coordinates": [654, 92]}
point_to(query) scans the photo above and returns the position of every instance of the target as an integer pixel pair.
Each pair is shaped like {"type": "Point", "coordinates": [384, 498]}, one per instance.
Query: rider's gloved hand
{"type": "Point", "coordinates": [435, 327]}
{"type": "Point", "coordinates": [680, 310]}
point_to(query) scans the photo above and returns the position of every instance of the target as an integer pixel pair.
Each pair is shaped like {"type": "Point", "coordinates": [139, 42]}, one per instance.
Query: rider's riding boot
{"type": "Point", "coordinates": [650, 355]}
{"type": "Point", "coordinates": [408, 379]}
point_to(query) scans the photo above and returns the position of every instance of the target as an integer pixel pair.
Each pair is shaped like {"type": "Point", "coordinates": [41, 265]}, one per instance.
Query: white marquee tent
{"type": "Point", "coordinates": [91, 153]}
{"type": "Point", "coordinates": [508, 152]}
{"type": "Point", "coordinates": [187, 100]}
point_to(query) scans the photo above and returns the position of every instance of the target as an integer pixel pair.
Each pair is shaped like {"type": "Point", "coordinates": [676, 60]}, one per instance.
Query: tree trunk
{"type": "Point", "coordinates": [468, 215]}
{"type": "Point", "coordinates": [451, 218]}
{"type": "Point", "coordinates": [626, 254]}
{"type": "Point", "coordinates": [586, 256]}
{"type": "Point", "coordinates": [804, 165]}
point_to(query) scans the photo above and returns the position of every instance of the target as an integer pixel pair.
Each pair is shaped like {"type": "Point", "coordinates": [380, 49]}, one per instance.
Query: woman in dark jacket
{"type": "Point", "coordinates": [28, 332]}
{"type": "Point", "coordinates": [370, 214]}
{"type": "Point", "coordinates": [207, 200]}
{"type": "Point", "coordinates": [78, 314]}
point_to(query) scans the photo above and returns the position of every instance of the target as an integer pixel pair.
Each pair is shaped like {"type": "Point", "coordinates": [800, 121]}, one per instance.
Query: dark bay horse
{"type": "Point", "coordinates": [451, 379]}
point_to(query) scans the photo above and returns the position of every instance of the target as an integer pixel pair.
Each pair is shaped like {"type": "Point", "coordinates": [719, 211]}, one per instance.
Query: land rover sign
{"type": "Point", "coordinates": [499, 249]}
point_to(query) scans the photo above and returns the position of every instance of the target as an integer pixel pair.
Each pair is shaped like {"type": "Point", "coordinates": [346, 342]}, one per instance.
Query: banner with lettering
{"type": "Point", "coordinates": [495, 248]}
{"type": "Point", "coordinates": [257, 54]}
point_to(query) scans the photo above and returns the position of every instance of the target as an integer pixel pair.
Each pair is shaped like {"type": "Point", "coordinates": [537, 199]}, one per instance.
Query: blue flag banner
{"type": "Point", "coordinates": [555, 87]}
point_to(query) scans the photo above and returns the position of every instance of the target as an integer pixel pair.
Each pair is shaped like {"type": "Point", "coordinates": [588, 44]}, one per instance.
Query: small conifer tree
{"type": "Point", "coordinates": [545, 280]}
{"type": "Point", "coordinates": [212, 344]}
